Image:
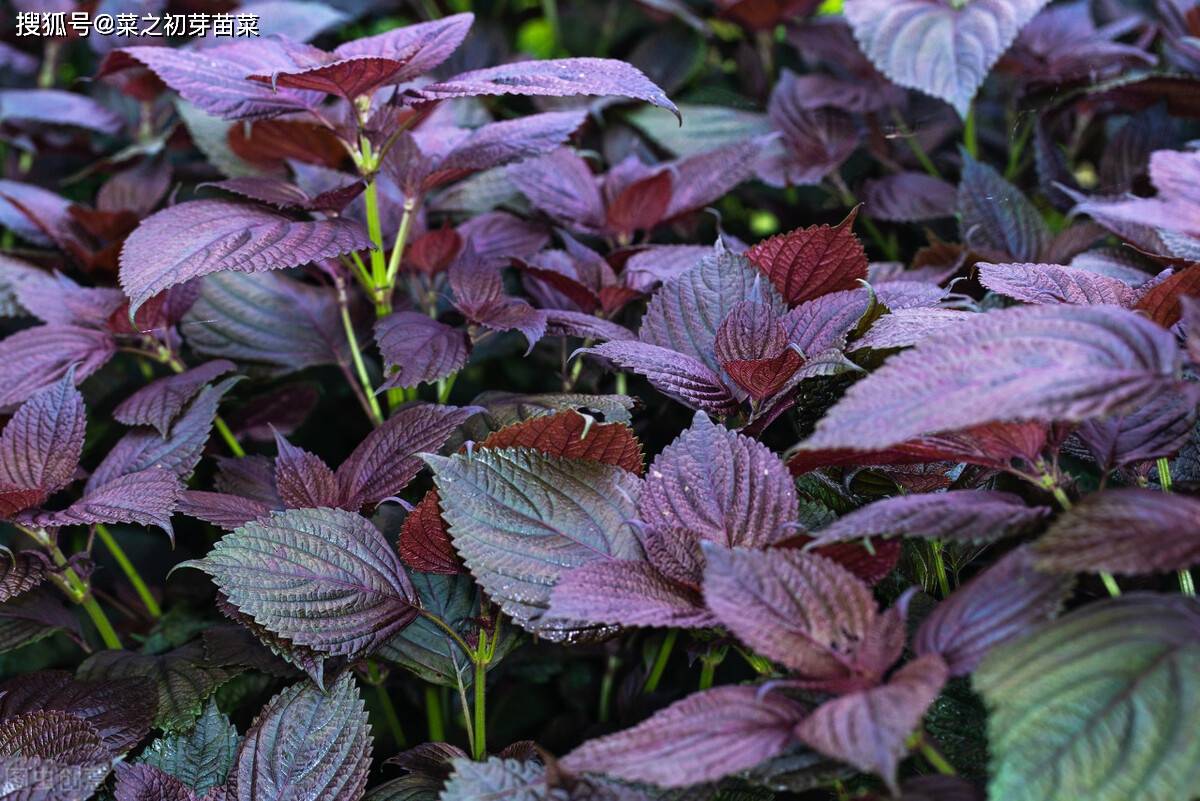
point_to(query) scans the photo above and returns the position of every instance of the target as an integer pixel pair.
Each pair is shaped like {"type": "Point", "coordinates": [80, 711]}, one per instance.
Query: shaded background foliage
{"type": "Point", "coordinates": [950, 200]}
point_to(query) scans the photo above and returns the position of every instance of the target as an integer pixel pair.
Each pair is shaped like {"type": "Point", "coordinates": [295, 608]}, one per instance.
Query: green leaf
{"type": "Point", "coordinates": [520, 519]}
{"type": "Point", "coordinates": [1101, 704]}
{"type": "Point", "coordinates": [201, 759]}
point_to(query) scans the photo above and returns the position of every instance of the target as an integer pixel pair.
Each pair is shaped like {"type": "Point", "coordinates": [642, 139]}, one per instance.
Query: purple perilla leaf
{"type": "Point", "coordinates": [20, 572]}
{"type": "Point", "coordinates": [303, 479]}
{"type": "Point", "coordinates": [565, 77]}
{"type": "Point", "coordinates": [1062, 44]}
{"type": "Point", "coordinates": [1174, 209]}
{"type": "Point", "coordinates": [40, 446]}
{"type": "Point", "coordinates": [202, 758]}
{"type": "Point", "coordinates": [869, 729]}
{"type": "Point", "coordinates": [207, 236]}
{"type": "Point", "coordinates": [823, 323]}
{"type": "Point", "coordinates": [137, 189]}
{"type": "Point", "coordinates": [51, 755]}
{"type": "Point", "coordinates": [34, 615]}
{"type": "Point", "coordinates": [214, 79]}
{"type": "Point", "coordinates": [562, 185]}
{"type": "Point", "coordinates": [626, 592]}
{"type": "Point", "coordinates": [904, 328]}
{"type": "Point", "coordinates": [909, 197]}
{"type": "Point", "coordinates": [1157, 428]}
{"type": "Point", "coordinates": [285, 195]}
{"type": "Point", "coordinates": [674, 374]}
{"type": "Point", "coordinates": [479, 294]}
{"type": "Point", "coordinates": [222, 510]}
{"type": "Point", "coordinates": [420, 348]}
{"type": "Point", "coordinates": [270, 322]}
{"type": "Point", "coordinates": [387, 459]}
{"type": "Point", "coordinates": [1054, 283]}
{"type": "Point", "coordinates": [564, 323]}
{"type": "Point", "coordinates": [285, 756]}
{"type": "Point", "coordinates": [942, 49]}
{"type": "Point", "coordinates": [148, 783]}
{"type": "Point", "coordinates": [1004, 601]}
{"type": "Point", "coordinates": [495, 778]}
{"type": "Point", "coordinates": [147, 497]}
{"type": "Point", "coordinates": [25, 107]}
{"type": "Point", "coordinates": [37, 357]}
{"type": "Point", "coordinates": [158, 403]}
{"type": "Point", "coordinates": [1126, 531]}
{"type": "Point", "coordinates": [718, 485]}
{"type": "Point", "coordinates": [958, 515]}
{"type": "Point", "coordinates": [520, 519]}
{"type": "Point", "coordinates": [57, 300]}
{"type": "Point", "coordinates": [705, 177]}
{"type": "Point", "coordinates": [996, 219]}
{"type": "Point", "coordinates": [803, 611]}
{"type": "Point", "coordinates": [19, 200]}
{"type": "Point", "coordinates": [323, 579]}
{"type": "Point", "coordinates": [810, 262]}
{"type": "Point", "coordinates": [1036, 363]}
{"type": "Point", "coordinates": [704, 737]}
{"type": "Point", "coordinates": [812, 143]}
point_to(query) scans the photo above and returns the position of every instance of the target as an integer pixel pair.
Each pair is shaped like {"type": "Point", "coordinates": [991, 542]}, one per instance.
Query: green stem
{"type": "Point", "coordinates": [1186, 585]}
{"type": "Point", "coordinates": [914, 145]}
{"type": "Point", "coordinates": [226, 433]}
{"type": "Point", "coordinates": [709, 664]}
{"type": "Point", "coordinates": [479, 748]}
{"type": "Point", "coordinates": [939, 568]}
{"type": "Point", "coordinates": [935, 758]}
{"type": "Point", "coordinates": [1060, 495]}
{"type": "Point", "coordinates": [100, 620]}
{"type": "Point", "coordinates": [970, 135]}
{"type": "Point", "coordinates": [660, 661]}
{"type": "Point", "coordinates": [550, 13]}
{"type": "Point", "coordinates": [612, 664]}
{"type": "Point", "coordinates": [360, 367]}
{"type": "Point", "coordinates": [433, 714]}
{"type": "Point", "coordinates": [74, 587]}
{"type": "Point", "coordinates": [1015, 151]}
{"type": "Point", "coordinates": [444, 385]}
{"type": "Point", "coordinates": [393, 268]}
{"type": "Point", "coordinates": [622, 387]}
{"type": "Point", "coordinates": [385, 703]}
{"type": "Point", "coordinates": [131, 572]}
{"type": "Point", "coordinates": [1110, 584]}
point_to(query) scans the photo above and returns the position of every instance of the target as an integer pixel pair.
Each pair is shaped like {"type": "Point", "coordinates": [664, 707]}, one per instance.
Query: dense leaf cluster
{"type": "Point", "coordinates": [571, 401]}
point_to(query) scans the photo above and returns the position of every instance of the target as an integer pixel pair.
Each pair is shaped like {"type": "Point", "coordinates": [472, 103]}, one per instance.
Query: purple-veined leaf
{"type": "Point", "coordinates": [302, 479]}
{"type": "Point", "coordinates": [574, 434]}
{"type": "Point", "coordinates": [206, 236]}
{"type": "Point", "coordinates": [910, 197]}
{"type": "Point", "coordinates": [813, 142]}
{"type": "Point", "coordinates": [178, 452]}
{"type": "Point", "coordinates": [19, 200]}
{"type": "Point", "coordinates": [251, 476]}
{"type": "Point", "coordinates": [626, 592]}
{"type": "Point", "coordinates": [904, 328]}
{"type": "Point", "coordinates": [424, 543]}
{"type": "Point", "coordinates": [158, 403]}
{"type": "Point", "coordinates": [479, 294]}
{"type": "Point", "coordinates": [120, 710]}
{"type": "Point", "coordinates": [685, 313]}
{"type": "Point", "coordinates": [222, 510]}
{"type": "Point", "coordinates": [137, 189]}
{"type": "Point", "coordinates": [13, 273]}
{"type": "Point", "coordinates": [1173, 173]}
{"type": "Point", "coordinates": [703, 178]}
{"type": "Point", "coordinates": [324, 579]}
{"type": "Point", "coordinates": [56, 107]}
{"type": "Point", "coordinates": [810, 262]}
{"type": "Point", "coordinates": [40, 446]}
{"type": "Point", "coordinates": [564, 323]}
{"type": "Point", "coordinates": [420, 348]}
{"type": "Point", "coordinates": [213, 79]}
{"type": "Point", "coordinates": [803, 611]}
{"type": "Point", "coordinates": [298, 20]}
{"type": "Point", "coordinates": [58, 300]}
{"type": "Point", "coordinates": [35, 615]}
{"type": "Point", "coordinates": [286, 195]}
{"type": "Point", "coordinates": [422, 47]}
{"type": "Point", "coordinates": [676, 375]}
{"type": "Point", "coordinates": [1190, 314]}
{"type": "Point", "coordinates": [146, 497]}
{"type": "Point", "coordinates": [20, 572]}
{"type": "Point", "coordinates": [283, 408]}
{"type": "Point", "coordinates": [562, 185]}
{"type": "Point", "coordinates": [1105, 691]}
{"type": "Point", "coordinates": [387, 459]}
{"type": "Point", "coordinates": [1004, 601]}
{"type": "Point", "coordinates": [200, 759]}
{"type": "Point", "coordinates": [306, 745]}
{"type": "Point", "coordinates": [996, 218]}
{"type": "Point", "coordinates": [37, 357]}
{"type": "Point", "coordinates": [566, 77]}
{"type": "Point", "coordinates": [520, 519]}
{"type": "Point", "coordinates": [1037, 363]}
{"type": "Point", "coordinates": [823, 323]}
{"type": "Point", "coordinates": [943, 49]}
{"type": "Point", "coordinates": [148, 783]}
{"type": "Point", "coordinates": [49, 755]}
{"type": "Point", "coordinates": [1159, 427]}
{"type": "Point", "coordinates": [704, 737]}
{"type": "Point", "coordinates": [869, 729]}
{"type": "Point", "coordinates": [495, 778]}
{"type": "Point", "coordinates": [958, 515]}
{"type": "Point", "coordinates": [267, 321]}
{"type": "Point", "coordinates": [1127, 531]}
{"type": "Point", "coordinates": [1160, 299]}
{"type": "Point", "coordinates": [658, 264]}
{"type": "Point", "coordinates": [719, 486]}
{"type": "Point", "coordinates": [1054, 283]}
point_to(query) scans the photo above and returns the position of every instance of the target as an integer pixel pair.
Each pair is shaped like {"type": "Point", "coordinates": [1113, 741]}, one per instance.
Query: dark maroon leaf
{"type": "Point", "coordinates": [1129, 531]}
{"type": "Point", "coordinates": [148, 783]}
{"type": "Point", "coordinates": [1037, 363]}
{"type": "Point", "coordinates": [1002, 602]}
{"type": "Point", "coordinates": [303, 479]}
{"type": "Point", "coordinates": [41, 446]}
{"type": "Point", "coordinates": [1157, 428]}
{"type": "Point", "coordinates": [147, 497]}
{"type": "Point", "coordinates": [479, 295]}
{"type": "Point", "coordinates": [1161, 302]}
{"type": "Point", "coordinates": [676, 375]}
{"type": "Point", "coordinates": [702, 738]}
{"type": "Point", "coordinates": [562, 185]}
{"type": "Point", "coordinates": [420, 348]}
{"type": "Point", "coordinates": [51, 755]}
{"type": "Point", "coordinates": [207, 236]}
{"type": "Point", "coordinates": [810, 262]}
{"type": "Point", "coordinates": [995, 218]}
{"type": "Point", "coordinates": [120, 710]}
{"type": "Point", "coordinates": [425, 543]}
{"type": "Point", "coordinates": [20, 572]}
{"type": "Point", "coordinates": [158, 404]}
{"type": "Point", "coordinates": [224, 511]}
{"type": "Point", "coordinates": [959, 515]}
{"type": "Point", "coordinates": [870, 728]}
{"type": "Point", "coordinates": [641, 204]}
